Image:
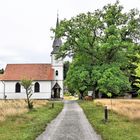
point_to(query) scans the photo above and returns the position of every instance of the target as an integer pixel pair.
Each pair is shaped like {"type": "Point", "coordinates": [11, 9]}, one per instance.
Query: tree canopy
{"type": "Point", "coordinates": [104, 45]}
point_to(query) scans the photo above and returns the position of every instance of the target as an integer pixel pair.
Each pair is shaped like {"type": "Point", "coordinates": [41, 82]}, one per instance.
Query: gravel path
{"type": "Point", "coordinates": [71, 124]}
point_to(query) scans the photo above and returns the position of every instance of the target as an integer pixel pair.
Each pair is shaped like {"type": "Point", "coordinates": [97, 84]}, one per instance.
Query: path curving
{"type": "Point", "coordinates": [70, 124]}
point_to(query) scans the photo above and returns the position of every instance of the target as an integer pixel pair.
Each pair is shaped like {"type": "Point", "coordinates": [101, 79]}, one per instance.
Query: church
{"type": "Point", "coordinates": [47, 78]}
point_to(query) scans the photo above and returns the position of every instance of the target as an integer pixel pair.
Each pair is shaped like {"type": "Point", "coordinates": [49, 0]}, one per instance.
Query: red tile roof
{"type": "Point", "coordinates": [30, 71]}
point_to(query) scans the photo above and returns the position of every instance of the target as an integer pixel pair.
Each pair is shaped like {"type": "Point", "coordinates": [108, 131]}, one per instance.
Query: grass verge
{"type": "Point", "coordinates": [28, 125]}
{"type": "Point", "coordinates": [117, 128]}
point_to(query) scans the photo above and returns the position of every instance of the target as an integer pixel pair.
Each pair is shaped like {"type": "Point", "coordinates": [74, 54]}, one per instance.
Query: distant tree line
{"type": "Point", "coordinates": [1, 71]}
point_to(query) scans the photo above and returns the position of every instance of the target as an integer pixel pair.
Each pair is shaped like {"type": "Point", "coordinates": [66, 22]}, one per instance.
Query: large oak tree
{"type": "Point", "coordinates": [104, 45]}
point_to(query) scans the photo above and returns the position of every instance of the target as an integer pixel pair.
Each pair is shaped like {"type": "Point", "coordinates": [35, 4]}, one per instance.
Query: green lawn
{"type": "Point", "coordinates": [117, 128]}
{"type": "Point", "coordinates": [29, 125]}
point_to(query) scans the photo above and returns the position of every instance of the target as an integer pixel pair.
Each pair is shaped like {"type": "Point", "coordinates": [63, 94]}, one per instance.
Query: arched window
{"type": "Point", "coordinates": [56, 72]}
{"type": "Point", "coordinates": [17, 87]}
{"type": "Point", "coordinates": [37, 87]}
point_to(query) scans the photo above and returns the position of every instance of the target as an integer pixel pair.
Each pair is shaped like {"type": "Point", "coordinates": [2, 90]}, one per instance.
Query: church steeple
{"type": "Point", "coordinates": [57, 41]}
{"type": "Point", "coordinates": [57, 65]}
{"type": "Point", "coordinates": [57, 22]}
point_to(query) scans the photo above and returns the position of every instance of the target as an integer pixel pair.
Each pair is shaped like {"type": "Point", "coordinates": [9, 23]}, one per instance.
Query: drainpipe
{"type": "Point", "coordinates": [4, 96]}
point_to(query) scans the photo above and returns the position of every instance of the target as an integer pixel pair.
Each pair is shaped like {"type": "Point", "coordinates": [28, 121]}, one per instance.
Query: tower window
{"type": "Point", "coordinates": [56, 72]}
{"type": "Point", "coordinates": [37, 87]}
{"type": "Point", "coordinates": [17, 88]}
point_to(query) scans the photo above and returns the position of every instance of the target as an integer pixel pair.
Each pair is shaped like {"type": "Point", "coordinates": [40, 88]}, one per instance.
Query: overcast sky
{"type": "Point", "coordinates": [25, 35]}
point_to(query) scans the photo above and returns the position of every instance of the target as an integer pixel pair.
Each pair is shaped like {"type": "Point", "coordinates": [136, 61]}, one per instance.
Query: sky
{"type": "Point", "coordinates": [25, 35]}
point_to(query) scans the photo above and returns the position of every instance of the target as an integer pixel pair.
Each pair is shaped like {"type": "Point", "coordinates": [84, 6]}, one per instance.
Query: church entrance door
{"type": "Point", "coordinates": [56, 91]}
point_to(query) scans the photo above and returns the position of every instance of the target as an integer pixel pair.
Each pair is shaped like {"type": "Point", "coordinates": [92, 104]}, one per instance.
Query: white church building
{"type": "Point", "coordinates": [47, 78]}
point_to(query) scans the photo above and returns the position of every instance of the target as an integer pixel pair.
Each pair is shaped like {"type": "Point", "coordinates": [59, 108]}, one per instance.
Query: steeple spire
{"type": "Point", "coordinates": [57, 41]}
{"type": "Point", "coordinates": [57, 22]}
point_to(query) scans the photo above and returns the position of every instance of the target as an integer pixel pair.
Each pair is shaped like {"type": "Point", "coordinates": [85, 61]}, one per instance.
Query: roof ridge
{"type": "Point", "coordinates": [29, 63]}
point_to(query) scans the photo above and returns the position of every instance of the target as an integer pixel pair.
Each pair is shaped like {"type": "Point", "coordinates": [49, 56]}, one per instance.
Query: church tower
{"type": "Point", "coordinates": [57, 65]}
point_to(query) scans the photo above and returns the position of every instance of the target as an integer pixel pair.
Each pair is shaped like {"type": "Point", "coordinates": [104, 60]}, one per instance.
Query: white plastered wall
{"type": "Point", "coordinates": [45, 90]}
{"type": "Point", "coordinates": [57, 65]}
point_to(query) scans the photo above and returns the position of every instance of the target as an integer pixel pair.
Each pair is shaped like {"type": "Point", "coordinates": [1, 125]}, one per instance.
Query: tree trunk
{"type": "Point", "coordinates": [81, 95]}
{"type": "Point", "coordinates": [28, 99]}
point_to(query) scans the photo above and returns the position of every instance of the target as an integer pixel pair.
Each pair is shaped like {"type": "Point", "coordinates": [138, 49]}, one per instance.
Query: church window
{"type": "Point", "coordinates": [56, 72]}
{"type": "Point", "coordinates": [37, 87]}
{"type": "Point", "coordinates": [17, 88]}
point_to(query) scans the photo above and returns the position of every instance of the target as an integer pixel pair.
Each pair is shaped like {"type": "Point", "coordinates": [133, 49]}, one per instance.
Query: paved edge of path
{"type": "Point", "coordinates": [48, 131]}
{"type": "Point", "coordinates": [54, 124]}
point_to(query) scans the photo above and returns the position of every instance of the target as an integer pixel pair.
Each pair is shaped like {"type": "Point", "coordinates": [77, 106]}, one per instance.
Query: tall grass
{"type": "Point", "coordinates": [16, 107]}
{"type": "Point", "coordinates": [126, 107]}
{"type": "Point", "coordinates": [118, 127]}
{"type": "Point", "coordinates": [29, 125]}
{"type": "Point", "coordinates": [70, 98]}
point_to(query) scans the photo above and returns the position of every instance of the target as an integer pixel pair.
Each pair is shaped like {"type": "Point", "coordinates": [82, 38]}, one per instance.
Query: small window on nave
{"type": "Point", "coordinates": [37, 87]}
{"type": "Point", "coordinates": [17, 88]}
